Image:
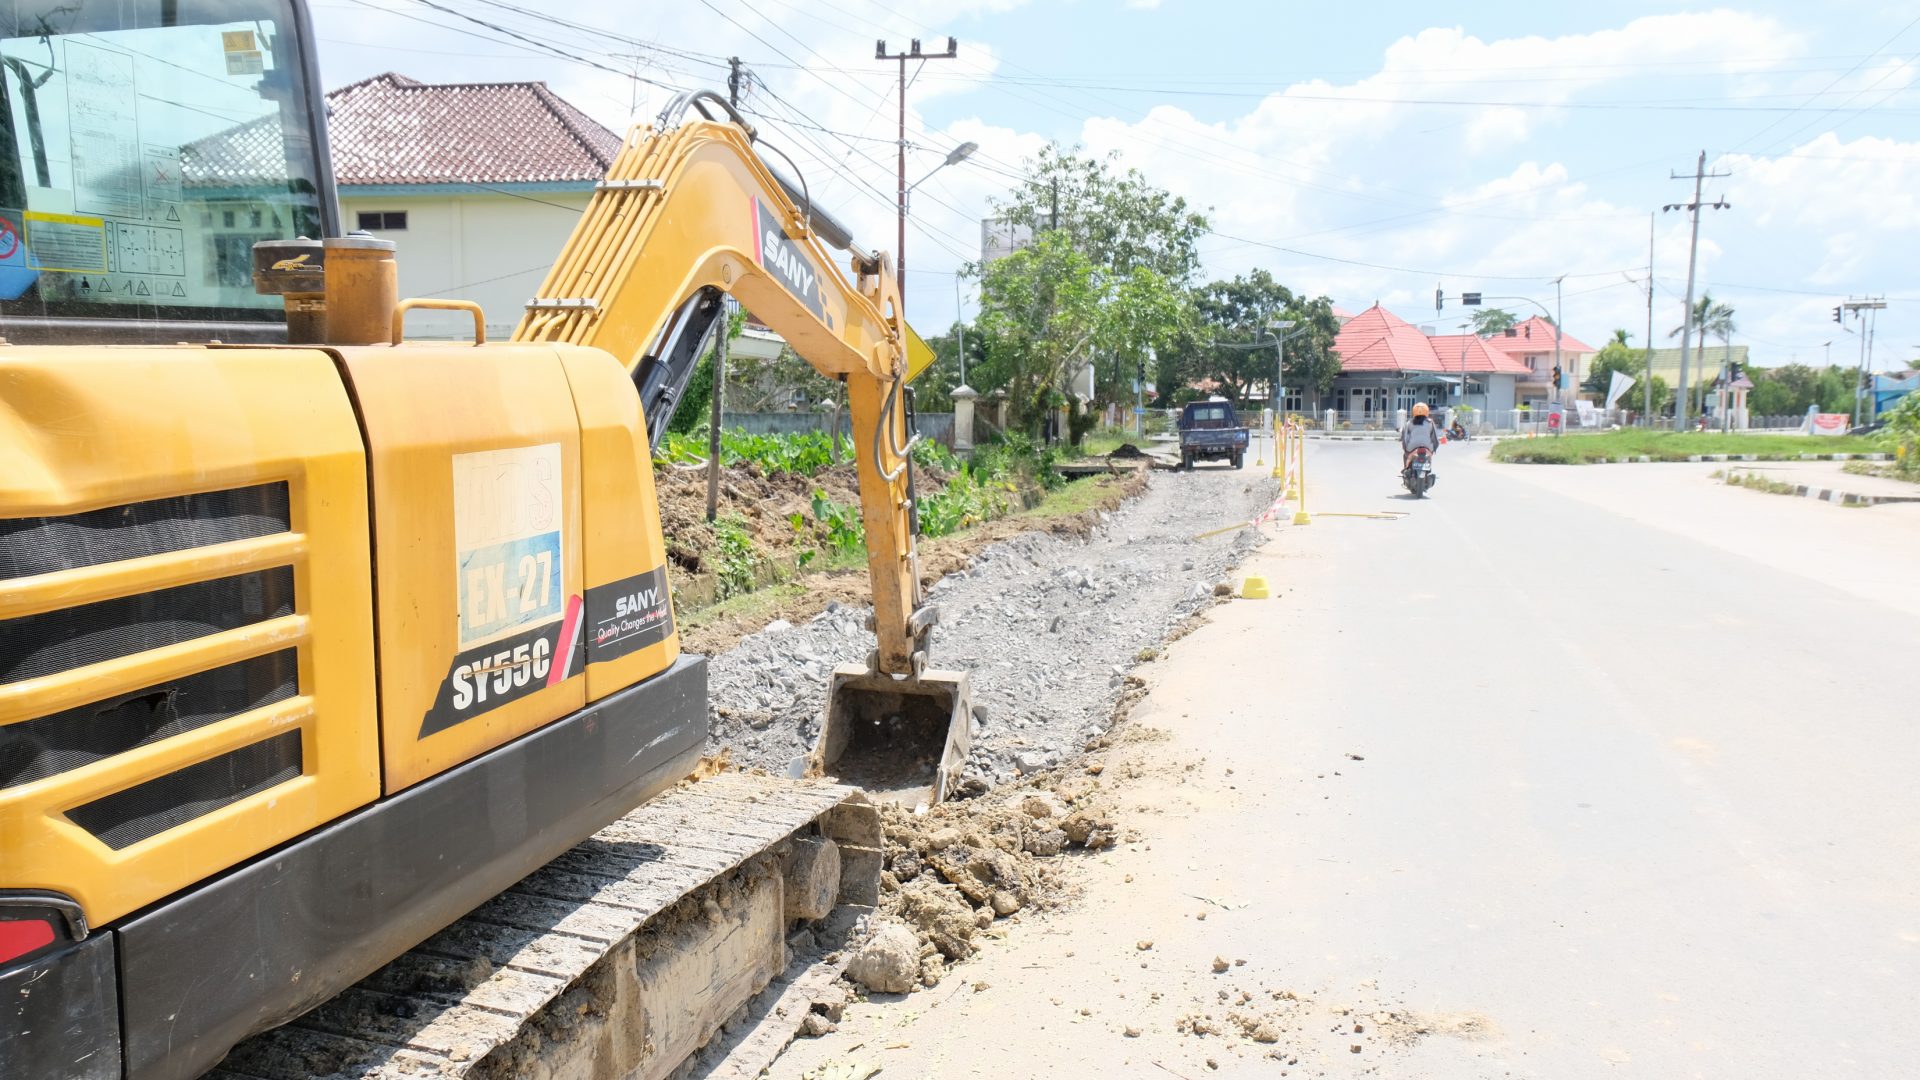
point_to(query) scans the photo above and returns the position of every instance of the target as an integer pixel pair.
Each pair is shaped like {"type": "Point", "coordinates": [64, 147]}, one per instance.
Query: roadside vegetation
{"type": "Point", "coordinates": [1672, 446]}
{"type": "Point", "coordinates": [790, 504]}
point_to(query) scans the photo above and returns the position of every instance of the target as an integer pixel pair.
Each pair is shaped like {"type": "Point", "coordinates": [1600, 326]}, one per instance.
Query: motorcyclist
{"type": "Point", "coordinates": [1457, 433]}
{"type": "Point", "coordinates": [1419, 431]}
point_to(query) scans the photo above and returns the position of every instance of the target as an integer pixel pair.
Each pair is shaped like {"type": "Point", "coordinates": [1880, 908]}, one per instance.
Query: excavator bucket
{"type": "Point", "coordinates": [902, 740]}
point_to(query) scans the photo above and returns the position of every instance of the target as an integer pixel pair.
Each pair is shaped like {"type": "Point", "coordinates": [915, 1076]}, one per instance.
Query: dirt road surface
{"type": "Point", "coordinates": [1568, 773]}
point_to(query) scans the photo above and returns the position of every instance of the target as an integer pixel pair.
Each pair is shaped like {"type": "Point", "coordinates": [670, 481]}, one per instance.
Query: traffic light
{"type": "Point", "coordinates": [1733, 371]}
{"type": "Point", "coordinates": [1836, 313]}
{"type": "Point", "coordinates": [1556, 375]}
{"type": "Point", "coordinates": [1439, 298]}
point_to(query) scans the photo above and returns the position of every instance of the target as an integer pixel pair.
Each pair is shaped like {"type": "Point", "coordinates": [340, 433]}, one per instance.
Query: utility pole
{"type": "Point", "coordinates": [1699, 175]}
{"type": "Point", "coordinates": [1865, 303]}
{"type": "Point", "coordinates": [913, 52]}
{"type": "Point", "coordinates": [736, 80]}
{"type": "Point", "coordinates": [1647, 375]}
{"type": "Point", "coordinates": [718, 407]}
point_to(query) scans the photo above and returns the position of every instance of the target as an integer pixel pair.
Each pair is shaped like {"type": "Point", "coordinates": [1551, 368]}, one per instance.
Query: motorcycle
{"type": "Point", "coordinates": [1418, 475]}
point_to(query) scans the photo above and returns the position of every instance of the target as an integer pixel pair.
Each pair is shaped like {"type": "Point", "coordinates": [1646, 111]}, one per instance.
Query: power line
{"type": "Point", "coordinates": [1836, 82]}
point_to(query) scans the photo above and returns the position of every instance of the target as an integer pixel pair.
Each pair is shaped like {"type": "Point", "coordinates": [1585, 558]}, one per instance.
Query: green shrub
{"type": "Point", "coordinates": [735, 562]}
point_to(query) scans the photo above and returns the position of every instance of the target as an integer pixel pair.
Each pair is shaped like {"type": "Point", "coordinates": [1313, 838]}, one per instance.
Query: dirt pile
{"type": "Point", "coordinates": [954, 870]}
{"type": "Point", "coordinates": [765, 502]}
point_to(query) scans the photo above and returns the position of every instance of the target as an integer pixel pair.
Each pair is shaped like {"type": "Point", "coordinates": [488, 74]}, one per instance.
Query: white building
{"type": "Point", "coordinates": [478, 184]}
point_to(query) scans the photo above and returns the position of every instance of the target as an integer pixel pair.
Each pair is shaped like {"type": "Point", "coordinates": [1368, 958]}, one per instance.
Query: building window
{"type": "Point", "coordinates": [383, 220]}
{"type": "Point", "coordinates": [231, 261]}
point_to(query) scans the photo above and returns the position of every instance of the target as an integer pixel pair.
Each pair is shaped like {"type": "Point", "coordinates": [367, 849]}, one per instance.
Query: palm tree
{"type": "Point", "coordinates": [1709, 316]}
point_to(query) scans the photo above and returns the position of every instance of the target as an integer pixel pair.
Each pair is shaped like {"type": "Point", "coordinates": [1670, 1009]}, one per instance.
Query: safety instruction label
{"type": "Point", "coordinates": [104, 129]}
{"type": "Point", "coordinates": [67, 242]}
{"type": "Point", "coordinates": [148, 249]}
{"type": "Point", "coordinates": [510, 547]}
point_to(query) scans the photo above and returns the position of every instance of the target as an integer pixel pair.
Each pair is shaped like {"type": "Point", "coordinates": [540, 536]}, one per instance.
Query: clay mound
{"type": "Point", "coordinates": [1127, 450]}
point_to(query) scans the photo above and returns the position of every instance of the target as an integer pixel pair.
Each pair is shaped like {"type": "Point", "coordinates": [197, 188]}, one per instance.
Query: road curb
{"type": "Point", "coordinates": [1696, 459]}
{"type": "Point", "coordinates": [1843, 498]}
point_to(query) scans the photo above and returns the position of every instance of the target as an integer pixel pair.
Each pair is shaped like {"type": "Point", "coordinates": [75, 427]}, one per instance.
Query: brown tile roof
{"type": "Point", "coordinates": [394, 130]}
{"type": "Point", "coordinates": [252, 153]}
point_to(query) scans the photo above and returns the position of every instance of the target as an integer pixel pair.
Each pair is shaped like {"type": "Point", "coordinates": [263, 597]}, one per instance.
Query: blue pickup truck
{"type": "Point", "coordinates": [1209, 431]}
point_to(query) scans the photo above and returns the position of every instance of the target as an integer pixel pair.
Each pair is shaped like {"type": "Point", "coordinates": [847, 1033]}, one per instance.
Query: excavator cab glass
{"type": "Point", "coordinates": [146, 146]}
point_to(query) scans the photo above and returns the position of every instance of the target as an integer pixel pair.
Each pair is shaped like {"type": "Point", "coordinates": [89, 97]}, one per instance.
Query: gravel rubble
{"type": "Point", "coordinates": [1049, 628]}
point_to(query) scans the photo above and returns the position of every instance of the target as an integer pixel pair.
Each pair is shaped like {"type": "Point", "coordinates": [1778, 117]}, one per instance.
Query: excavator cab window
{"type": "Point", "coordinates": [147, 144]}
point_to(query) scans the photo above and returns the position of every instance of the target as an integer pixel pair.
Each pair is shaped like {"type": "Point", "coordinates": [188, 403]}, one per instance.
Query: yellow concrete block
{"type": "Point", "coordinates": [1254, 588]}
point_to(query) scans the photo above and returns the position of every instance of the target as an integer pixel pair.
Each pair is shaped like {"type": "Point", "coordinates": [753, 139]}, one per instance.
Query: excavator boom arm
{"type": "Point", "coordinates": [689, 211]}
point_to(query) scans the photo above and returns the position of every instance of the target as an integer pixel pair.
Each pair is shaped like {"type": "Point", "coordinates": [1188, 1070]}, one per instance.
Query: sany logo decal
{"type": "Point", "coordinates": [777, 254]}
{"type": "Point", "coordinates": [635, 603]}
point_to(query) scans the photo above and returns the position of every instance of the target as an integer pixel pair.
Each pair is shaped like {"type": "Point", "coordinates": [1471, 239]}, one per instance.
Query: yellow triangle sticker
{"type": "Point", "coordinates": [919, 355]}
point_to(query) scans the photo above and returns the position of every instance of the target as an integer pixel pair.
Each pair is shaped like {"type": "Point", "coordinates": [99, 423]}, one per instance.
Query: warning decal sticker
{"type": "Point", "coordinates": [519, 631]}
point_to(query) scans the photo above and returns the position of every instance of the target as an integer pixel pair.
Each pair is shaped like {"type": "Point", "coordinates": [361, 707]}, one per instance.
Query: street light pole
{"type": "Point", "coordinates": [954, 157]}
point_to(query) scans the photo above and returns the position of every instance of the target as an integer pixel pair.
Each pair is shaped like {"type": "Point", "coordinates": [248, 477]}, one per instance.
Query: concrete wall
{"type": "Point", "coordinates": [490, 248]}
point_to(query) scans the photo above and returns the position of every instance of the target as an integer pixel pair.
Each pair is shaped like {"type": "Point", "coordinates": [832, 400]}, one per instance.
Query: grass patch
{"type": "Point", "coordinates": [1078, 497]}
{"type": "Point", "coordinates": [1102, 443]}
{"type": "Point", "coordinates": [1670, 446]}
{"type": "Point", "coordinates": [1886, 470]}
{"type": "Point", "coordinates": [756, 605]}
{"type": "Point", "coordinates": [1756, 482]}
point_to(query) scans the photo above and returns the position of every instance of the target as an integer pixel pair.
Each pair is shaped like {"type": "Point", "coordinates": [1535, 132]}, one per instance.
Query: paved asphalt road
{"type": "Point", "coordinates": [1636, 796]}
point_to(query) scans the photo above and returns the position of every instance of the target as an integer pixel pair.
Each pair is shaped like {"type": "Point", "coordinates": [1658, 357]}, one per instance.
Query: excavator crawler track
{"type": "Point", "coordinates": [620, 958]}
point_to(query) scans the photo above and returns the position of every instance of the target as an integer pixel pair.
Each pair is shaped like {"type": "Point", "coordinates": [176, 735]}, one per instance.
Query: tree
{"type": "Point", "coordinates": [1709, 317]}
{"type": "Point", "coordinates": [1834, 389]}
{"type": "Point", "coordinates": [1311, 362]}
{"type": "Point", "coordinates": [1783, 391]}
{"type": "Point", "coordinates": [1237, 317]}
{"type": "Point", "coordinates": [1118, 220]}
{"type": "Point", "coordinates": [1104, 280]}
{"type": "Point", "coordinates": [935, 386]}
{"type": "Point", "coordinates": [1039, 312]}
{"type": "Point", "coordinates": [1617, 355]}
{"type": "Point", "coordinates": [1490, 321]}
{"type": "Point", "coordinates": [1614, 356]}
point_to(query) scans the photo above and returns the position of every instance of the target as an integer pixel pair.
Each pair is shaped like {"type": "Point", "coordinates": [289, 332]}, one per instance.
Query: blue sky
{"type": "Point", "coordinates": [1370, 152]}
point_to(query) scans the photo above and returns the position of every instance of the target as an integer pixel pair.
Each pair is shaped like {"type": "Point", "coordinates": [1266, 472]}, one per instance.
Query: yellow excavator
{"type": "Point", "coordinates": [339, 678]}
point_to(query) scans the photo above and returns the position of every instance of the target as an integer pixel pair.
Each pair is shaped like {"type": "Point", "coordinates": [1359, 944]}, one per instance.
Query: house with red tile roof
{"type": "Point", "coordinates": [1387, 365]}
{"type": "Point", "coordinates": [479, 184]}
{"type": "Point", "coordinates": [1534, 344]}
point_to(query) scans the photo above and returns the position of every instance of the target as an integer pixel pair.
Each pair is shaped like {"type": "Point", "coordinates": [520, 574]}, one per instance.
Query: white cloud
{"type": "Point", "coordinates": [1386, 168]}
